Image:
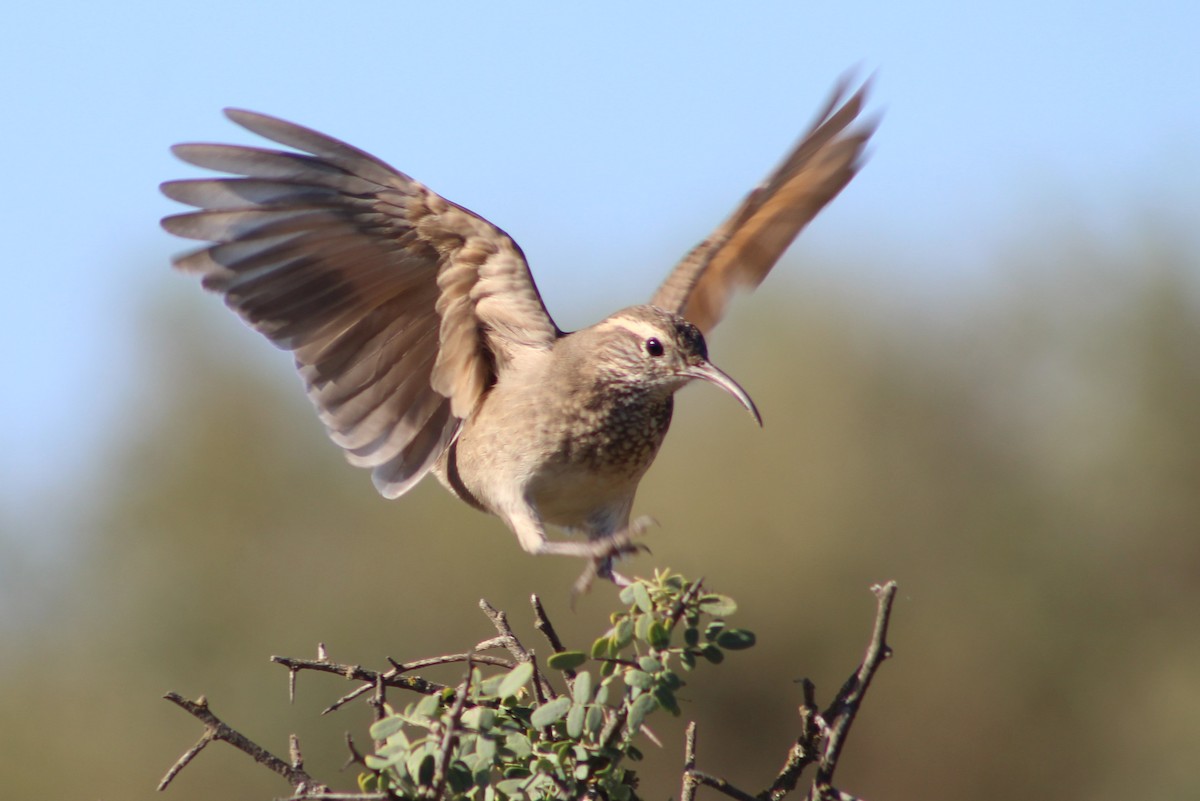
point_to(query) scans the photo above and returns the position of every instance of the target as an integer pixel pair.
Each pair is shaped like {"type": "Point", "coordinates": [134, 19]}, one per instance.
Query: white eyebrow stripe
{"type": "Point", "coordinates": [639, 328]}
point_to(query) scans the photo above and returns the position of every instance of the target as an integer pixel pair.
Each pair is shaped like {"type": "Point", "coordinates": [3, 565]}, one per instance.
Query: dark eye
{"type": "Point", "coordinates": [654, 347]}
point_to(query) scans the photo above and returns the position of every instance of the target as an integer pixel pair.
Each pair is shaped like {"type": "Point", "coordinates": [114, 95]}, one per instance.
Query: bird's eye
{"type": "Point", "coordinates": [654, 347]}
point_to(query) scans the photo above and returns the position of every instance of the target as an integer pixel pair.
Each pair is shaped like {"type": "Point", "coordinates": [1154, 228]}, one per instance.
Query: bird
{"type": "Point", "coordinates": [425, 347]}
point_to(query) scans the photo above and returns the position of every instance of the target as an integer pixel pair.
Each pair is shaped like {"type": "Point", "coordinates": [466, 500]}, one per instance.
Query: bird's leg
{"type": "Point", "coordinates": [602, 566]}
{"type": "Point", "coordinates": [527, 524]}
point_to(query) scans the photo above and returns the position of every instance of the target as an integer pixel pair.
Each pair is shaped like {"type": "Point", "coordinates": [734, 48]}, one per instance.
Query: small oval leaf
{"type": "Point", "coordinates": [595, 720]}
{"type": "Point", "coordinates": [575, 721]}
{"type": "Point", "coordinates": [515, 680]}
{"type": "Point", "coordinates": [735, 639]}
{"type": "Point", "coordinates": [717, 605]}
{"type": "Point", "coordinates": [642, 706]}
{"type": "Point", "coordinates": [642, 627]}
{"type": "Point", "coordinates": [666, 699]}
{"type": "Point", "coordinates": [639, 679]}
{"type": "Point", "coordinates": [385, 728]}
{"type": "Point", "coordinates": [566, 660]}
{"type": "Point", "coordinates": [550, 712]}
{"type": "Point", "coordinates": [581, 691]}
{"type": "Point", "coordinates": [622, 636]}
{"type": "Point", "coordinates": [641, 597]}
{"type": "Point", "coordinates": [659, 636]}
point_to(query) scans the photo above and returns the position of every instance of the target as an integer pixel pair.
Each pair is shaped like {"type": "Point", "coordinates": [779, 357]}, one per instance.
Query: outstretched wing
{"type": "Point", "coordinates": [744, 248]}
{"type": "Point", "coordinates": [400, 307]}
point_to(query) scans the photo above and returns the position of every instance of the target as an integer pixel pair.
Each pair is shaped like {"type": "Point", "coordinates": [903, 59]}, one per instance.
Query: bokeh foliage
{"type": "Point", "coordinates": [1024, 459]}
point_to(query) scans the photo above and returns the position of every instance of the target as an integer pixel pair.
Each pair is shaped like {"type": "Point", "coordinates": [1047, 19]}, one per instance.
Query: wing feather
{"type": "Point", "coordinates": [744, 248]}
{"type": "Point", "coordinates": [400, 307]}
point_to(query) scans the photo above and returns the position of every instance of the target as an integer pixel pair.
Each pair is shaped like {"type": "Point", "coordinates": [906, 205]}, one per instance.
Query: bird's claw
{"type": "Point", "coordinates": [609, 549]}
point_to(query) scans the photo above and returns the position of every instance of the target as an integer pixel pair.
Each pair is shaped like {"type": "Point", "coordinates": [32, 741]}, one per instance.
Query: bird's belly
{"type": "Point", "coordinates": [584, 499]}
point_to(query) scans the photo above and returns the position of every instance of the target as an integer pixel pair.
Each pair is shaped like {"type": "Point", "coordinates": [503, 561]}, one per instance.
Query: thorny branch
{"type": "Point", "coordinates": [820, 741]}
{"type": "Point", "coordinates": [822, 737]}
{"type": "Point", "coordinates": [217, 729]}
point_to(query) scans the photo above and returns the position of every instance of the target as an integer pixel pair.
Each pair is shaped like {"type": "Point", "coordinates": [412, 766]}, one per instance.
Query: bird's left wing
{"type": "Point", "coordinates": [400, 306]}
{"type": "Point", "coordinates": [744, 248]}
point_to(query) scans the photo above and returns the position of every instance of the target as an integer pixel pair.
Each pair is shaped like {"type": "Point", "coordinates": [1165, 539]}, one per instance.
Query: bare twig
{"type": "Point", "coordinates": [839, 717]}
{"type": "Point", "coordinates": [684, 600]}
{"type": "Point", "coordinates": [688, 791]}
{"type": "Point", "coordinates": [500, 621]}
{"type": "Point", "coordinates": [720, 785]}
{"type": "Point", "coordinates": [541, 622]}
{"type": "Point", "coordinates": [542, 688]}
{"type": "Point", "coordinates": [832, 728]}
{"type": "Point", "coordinates": [217, 729]}
{"type": "Point", "coordinates": [693, 778]}
{"type": "Point", "coordinates": [326, 796]}
{"type": "Point", "coordinates": [355, 757]}
{"type": "Point", "coordinates": [443, 762]}
{"type": "Point", "coordinates": [390, 678]}
{"type": "Point", "coordinates": [805, 751]}
{"type": "Point", "coordinates": [399, 668]}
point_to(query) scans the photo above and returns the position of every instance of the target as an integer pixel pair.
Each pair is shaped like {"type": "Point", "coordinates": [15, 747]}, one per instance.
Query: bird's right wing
{"type": "Point", "coordinates": [744, 248]}
{"type": "Point", "coordinates": [399, 306]}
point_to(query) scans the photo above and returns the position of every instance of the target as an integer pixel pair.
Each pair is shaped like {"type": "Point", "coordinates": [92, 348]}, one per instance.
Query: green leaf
{"type": "Point", "coordinates": [600, 647]}
{"type": "Point", "coordinates": [420, 765]}
{"type": "Point", "coordinates": [566, 660]}
{"type": "Point", "coordinates": [550, 712]}
{"type": "Point", "coordinates": [641, 597]}
{"type": "Point", "coordinates": [650, 664]}
{"type": "Point", "coordinates": [459, 778]}
{"type": "Point", "coordinates": [688, 659]}
{"type": "Point", "coordinates": [713, 654]}
{"type": "Point", "coordinates": [519, 745]}
{"type": "Point", "coordinates": [379, 763]}
{"type": "Point", "coordinates": [713, 629]}
{"type": "Point", "coordinates": [666, 699]}
{"type": "Point", "coordinates": [735, 639]}
{"type": "Point", "coordinates": [485, 749]}
{"type": "Point", "coordinates": [642, 706]}
{"type": "Point", "coordinates": [626, 594]}
{"type": "Point", "coordinates": [595, 720]}
{"type": "Point", "coordinates": [487, 688]}
{"type": "Point", "coordinates": [691, 636]}
{"type": "Point", "coordinates": [659, 636]}
{"type": "Point", "coordinates": [717, 605]}
{"type": "Point", "coordinates": [581, 691]}
{"type": "Point", "coordinates": [671, 679]}
{"type": "Point", "coordinates": [639, 679]}
{"type": "Point", "coordinates": [622, 636]}
{"type": "Point", "coordinates": [511, 787]}
{"type": "Point", "coordinates": [642, 627]}
{"type": "Point", "coordinates": [517, 678]}
{"type": "Point", "coordinates": [426, 708]}
{"type": "Point", "coordinates": [575, 721]}
{"type": "Point", "coordinates": [385, 728]}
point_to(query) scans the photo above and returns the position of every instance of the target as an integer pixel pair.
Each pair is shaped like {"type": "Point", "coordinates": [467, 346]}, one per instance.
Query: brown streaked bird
{"type": "Point", "coordinates": [423, 342]}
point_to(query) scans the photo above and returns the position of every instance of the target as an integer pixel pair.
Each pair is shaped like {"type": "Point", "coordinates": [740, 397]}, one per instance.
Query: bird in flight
{"type": "Point", "coordinates": [424, 345]}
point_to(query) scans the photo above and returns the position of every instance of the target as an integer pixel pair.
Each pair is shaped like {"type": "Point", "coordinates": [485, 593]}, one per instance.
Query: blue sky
{"type": "Point", "coordinates": [606, 138]}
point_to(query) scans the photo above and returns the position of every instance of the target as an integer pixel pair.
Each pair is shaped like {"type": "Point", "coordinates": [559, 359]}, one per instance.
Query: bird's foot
{"type": "Point", "coordinates": [608, 550]}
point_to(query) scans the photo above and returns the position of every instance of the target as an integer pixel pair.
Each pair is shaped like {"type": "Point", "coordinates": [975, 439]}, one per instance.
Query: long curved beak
{"type": "Point", "coordinates": [709, 372]}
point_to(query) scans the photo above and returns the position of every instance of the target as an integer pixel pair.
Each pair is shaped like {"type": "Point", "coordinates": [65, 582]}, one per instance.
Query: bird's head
{"type": "Point", "coordinates": [649, 346]}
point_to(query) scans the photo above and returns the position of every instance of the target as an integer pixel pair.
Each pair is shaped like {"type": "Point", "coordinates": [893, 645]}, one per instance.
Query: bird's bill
{"type": "Point", "coordinates": [707, 371]}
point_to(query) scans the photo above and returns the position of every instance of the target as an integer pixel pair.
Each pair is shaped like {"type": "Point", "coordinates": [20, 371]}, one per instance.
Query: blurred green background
{"type": "Point", "coordinates": [1024, 461]}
